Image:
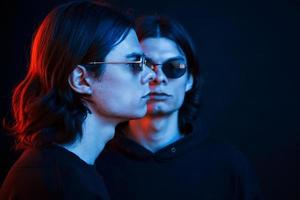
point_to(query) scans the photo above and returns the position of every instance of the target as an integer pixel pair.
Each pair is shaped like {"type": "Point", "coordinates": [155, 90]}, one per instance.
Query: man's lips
{"type": "Point", "coordinates": [159, 96]}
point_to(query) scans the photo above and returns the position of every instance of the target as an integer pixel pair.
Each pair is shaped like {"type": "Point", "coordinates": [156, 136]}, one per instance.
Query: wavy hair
{"type": "Point", "coordinates": [45, 108]}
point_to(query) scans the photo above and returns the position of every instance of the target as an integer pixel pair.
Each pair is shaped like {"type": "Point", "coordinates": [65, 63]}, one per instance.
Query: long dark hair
{"type": "Point", "coordinates": [46, 110]}
{"type": "Point", "coordinates": [162, 26]}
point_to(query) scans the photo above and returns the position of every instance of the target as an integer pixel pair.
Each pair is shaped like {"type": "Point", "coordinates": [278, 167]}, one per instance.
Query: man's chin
{"type": "Point", "coordinates": [157, 110]}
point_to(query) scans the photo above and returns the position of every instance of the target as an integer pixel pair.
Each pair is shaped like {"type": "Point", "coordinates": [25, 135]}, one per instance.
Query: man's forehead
{"type": "Point", "coordinates": [161, 49]}
{"type": "Point", "coordinates": [129, 45]}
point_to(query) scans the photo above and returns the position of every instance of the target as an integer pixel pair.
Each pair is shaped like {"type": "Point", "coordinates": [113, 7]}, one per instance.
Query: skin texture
{"type": "Point", "coordinates": [160, 50]}
{"type": "Point", "coordinates": [121, 89]}
{"type": "Point", "coordinates": [160, 126]}
{"type": "Point", "coordinates": [119, 94]}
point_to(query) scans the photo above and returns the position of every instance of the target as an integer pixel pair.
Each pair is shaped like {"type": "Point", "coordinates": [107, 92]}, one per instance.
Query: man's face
{"type": "Point", "coordinates": [121, 91]}
{"type": "Point", "coordinates": [167, 94]}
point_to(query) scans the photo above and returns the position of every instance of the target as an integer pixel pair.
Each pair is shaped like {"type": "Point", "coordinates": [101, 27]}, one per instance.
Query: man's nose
{"type": "Point", "coordinates": [160, 76]}
{"type": "Point", "coordinates": [149, 74]}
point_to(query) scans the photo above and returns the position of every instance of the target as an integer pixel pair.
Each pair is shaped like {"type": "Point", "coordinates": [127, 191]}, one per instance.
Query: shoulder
{"type": "Point", "coordinates": [228, 158]}
{"type": "Point", "coordinates": [227, 161]}
{"type": "Point", "coordinates": [32, 158]}
{"type": "Point", "coordinates": [223, 152]}
{"type": "Point", "coordinates": [33, 175]}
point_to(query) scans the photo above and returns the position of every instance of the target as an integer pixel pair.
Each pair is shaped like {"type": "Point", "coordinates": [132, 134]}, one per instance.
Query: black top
{"type": "Point", "coordinates": [193, 168]}
{"type": "Point", "coordinates": [52, 173]}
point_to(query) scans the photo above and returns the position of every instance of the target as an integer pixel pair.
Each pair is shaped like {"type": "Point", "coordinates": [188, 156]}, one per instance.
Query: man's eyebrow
{"type": "Point", "coordinates": [134, 55]}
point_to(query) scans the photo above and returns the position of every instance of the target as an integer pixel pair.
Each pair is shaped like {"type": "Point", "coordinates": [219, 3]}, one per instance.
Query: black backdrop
{"type": "Point", "coordinates": [249, 52]}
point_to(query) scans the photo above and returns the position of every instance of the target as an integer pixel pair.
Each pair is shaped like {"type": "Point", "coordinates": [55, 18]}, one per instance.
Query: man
{"type": "Point", "coordinates": [85, 56]}
{"type": "Point", "coordinates": [160, 156]}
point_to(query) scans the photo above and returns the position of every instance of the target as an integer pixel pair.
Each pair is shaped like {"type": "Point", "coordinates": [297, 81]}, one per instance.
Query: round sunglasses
{"type": "Point", "coordinates": [172, 69]}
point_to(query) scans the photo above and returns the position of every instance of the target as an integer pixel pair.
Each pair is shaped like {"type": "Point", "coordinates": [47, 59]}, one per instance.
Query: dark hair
{"type": "Point", "coordinates": [162, 26]}
{"type": "Point", "coordinates": [45, 108]}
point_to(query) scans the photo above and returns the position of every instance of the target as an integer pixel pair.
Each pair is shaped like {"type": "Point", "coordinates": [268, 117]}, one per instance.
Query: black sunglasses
{"type": "Point", "coordinates": [172, 69]}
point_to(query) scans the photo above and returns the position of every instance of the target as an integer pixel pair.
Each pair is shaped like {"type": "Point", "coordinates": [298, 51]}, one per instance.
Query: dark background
{"type": "Point", "coordinates": [249, 52]}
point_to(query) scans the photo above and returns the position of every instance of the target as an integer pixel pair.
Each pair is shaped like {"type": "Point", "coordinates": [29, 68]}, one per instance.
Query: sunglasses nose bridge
{"type": "Point", "coordinates": [160, 76]}
{"type": "Point", "coordinates": [155, 67]}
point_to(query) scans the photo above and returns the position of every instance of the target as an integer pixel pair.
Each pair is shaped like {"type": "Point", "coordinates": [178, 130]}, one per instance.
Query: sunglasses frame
{"type": "Point", "coordinates": [141, 62]}
{"type": "Point", "coordinates": [181, 66]}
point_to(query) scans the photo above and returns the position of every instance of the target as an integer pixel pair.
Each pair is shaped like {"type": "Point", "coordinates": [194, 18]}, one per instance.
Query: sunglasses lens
{"type": "Point", "coordinates": [174, 69]}
{"type": "Point", "coordinates": [138, 66]}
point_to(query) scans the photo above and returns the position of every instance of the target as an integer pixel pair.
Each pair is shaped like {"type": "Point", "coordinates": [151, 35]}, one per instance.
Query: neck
{"type": "Point", "coordinates": [96, 132]}
{"type": "Point", "coordinates": [154, 132]}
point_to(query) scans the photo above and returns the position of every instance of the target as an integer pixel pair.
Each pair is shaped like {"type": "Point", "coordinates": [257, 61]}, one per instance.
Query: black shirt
{"type": "Point", "coordinates": [193, 168]}
{"type": "Point", "coordinates": [52, 173]}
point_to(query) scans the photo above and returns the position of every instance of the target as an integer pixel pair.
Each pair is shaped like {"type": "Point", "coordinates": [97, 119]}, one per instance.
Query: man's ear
{"type": "Point", "coordinates": [189, 83]}
{"type": "Point", "coordinates": [80, 81]}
